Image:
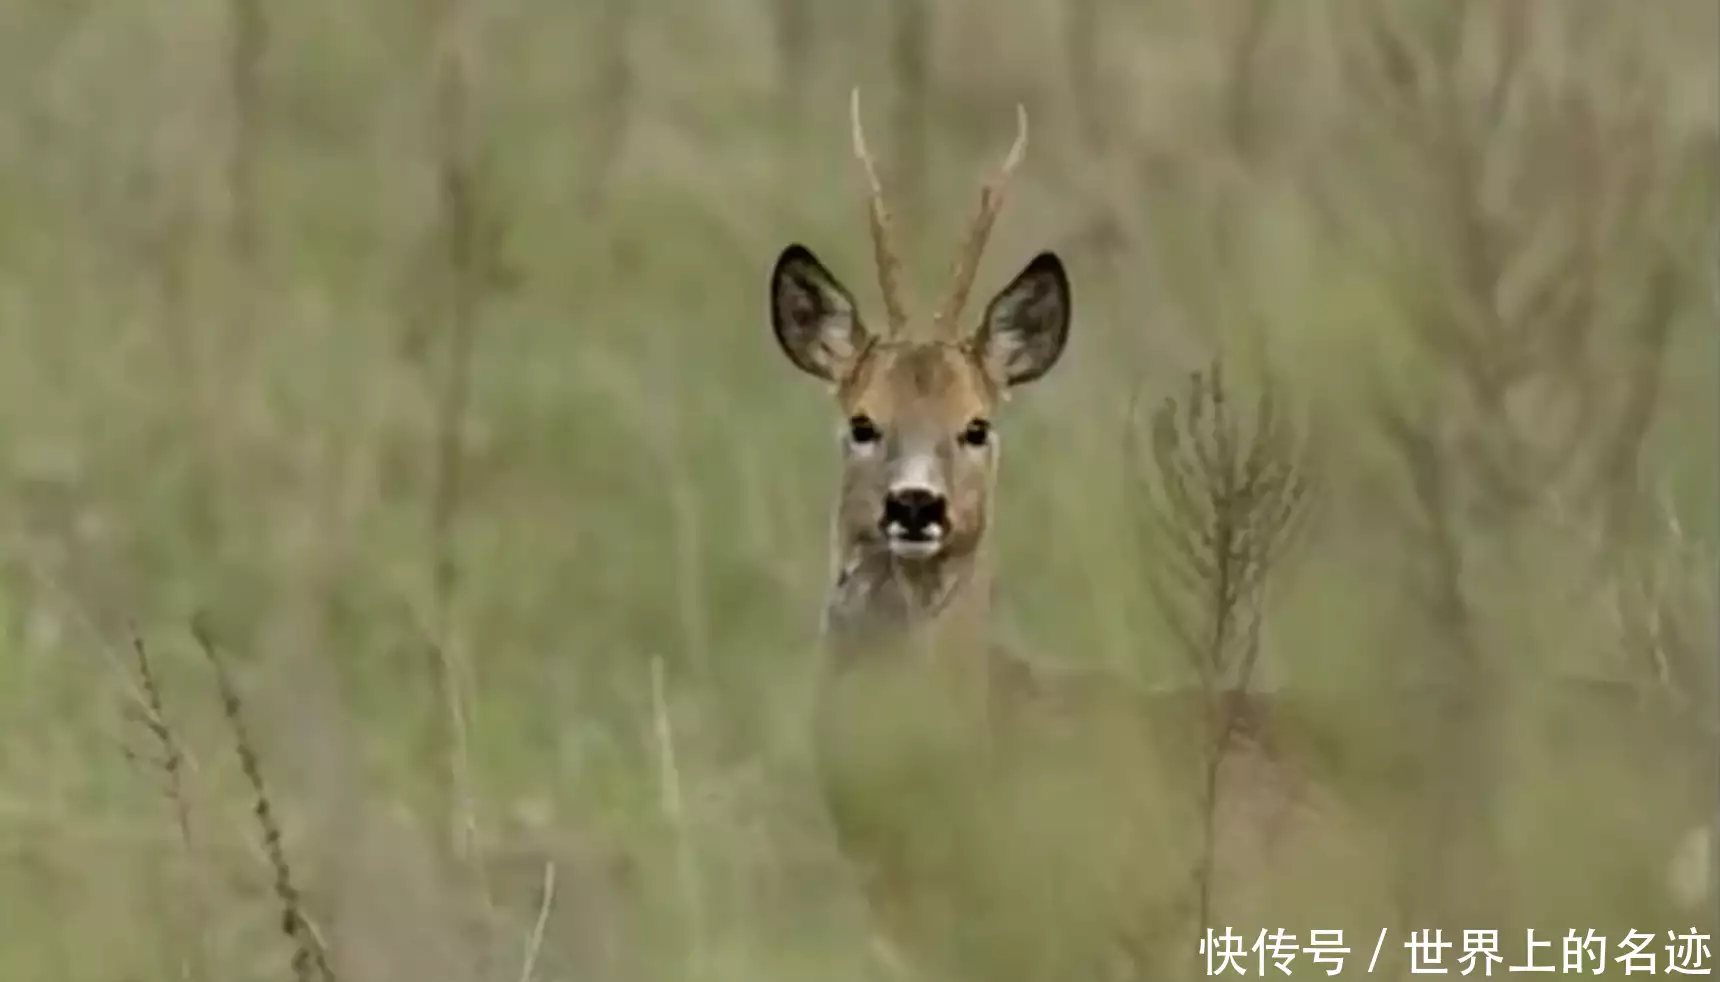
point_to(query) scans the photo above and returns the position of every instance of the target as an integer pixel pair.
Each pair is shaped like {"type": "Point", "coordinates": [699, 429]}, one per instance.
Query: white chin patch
{"type": "Point", "coordinates": [921, 546]}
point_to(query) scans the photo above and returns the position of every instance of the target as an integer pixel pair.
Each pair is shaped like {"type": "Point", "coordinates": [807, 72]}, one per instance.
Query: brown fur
{"type": "Point", "coordinates": [959, 779]}
{"type": "Point", "coordinates": [949, 764]}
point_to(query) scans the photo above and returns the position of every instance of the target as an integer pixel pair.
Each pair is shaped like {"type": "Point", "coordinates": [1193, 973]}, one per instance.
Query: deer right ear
{"type": "Point", "coordinates": [814, 316]}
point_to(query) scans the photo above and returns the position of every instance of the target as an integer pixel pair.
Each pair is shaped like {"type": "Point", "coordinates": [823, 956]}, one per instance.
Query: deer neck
{"type": "Point", "coordinates": [937, 608]}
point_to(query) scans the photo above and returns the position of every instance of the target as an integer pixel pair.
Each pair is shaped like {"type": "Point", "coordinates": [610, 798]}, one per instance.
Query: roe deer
{"type": "Point", "coordinates": [990, 833]}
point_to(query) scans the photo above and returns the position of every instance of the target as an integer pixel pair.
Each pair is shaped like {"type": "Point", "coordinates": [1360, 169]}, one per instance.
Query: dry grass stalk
{"type": "Point", "coordinates": [795, 23]}
{"type": "Point", "coordinates": [466, 240]}
{"type": "Point", "coordinates": [1661, 597]}
{"type": "Point", "coordinates": [1081, 35]}
{"type": "Point", "coordinates": [172, 760]}
{"type": "Point", "coordinates": [1243, 113]}
{"type": "Point", "coordinates": [249, 38]}
{"type": "Point", "coordinates": [910, 62]}
{"type": "Point", "coordinates": [1619, 458]}
{"type": "Point", "coordinates": [674, 809]}
{"type": "Point", "coordinates": [310, 961]}
{"type": "Point", "coordinates": [610, 114]}
{"type": "Point", "coordinates": [1228, 496]}
{"type": "Point", "coordinates": [457, 229]}
{"type": "Point", "coordinates": [172, 764]}
{"type": "Point", "coordinates": [534, 945]}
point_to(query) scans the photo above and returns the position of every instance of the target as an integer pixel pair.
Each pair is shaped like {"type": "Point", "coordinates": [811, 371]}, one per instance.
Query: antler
{"type": "Point", "coordinates": [990, 202]}
{"type": "Point", "coordinates": [884, 252]}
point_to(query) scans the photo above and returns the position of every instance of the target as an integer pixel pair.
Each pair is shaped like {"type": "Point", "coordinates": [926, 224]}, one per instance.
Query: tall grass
{"type": "Point", "coordinates": [253, 331]}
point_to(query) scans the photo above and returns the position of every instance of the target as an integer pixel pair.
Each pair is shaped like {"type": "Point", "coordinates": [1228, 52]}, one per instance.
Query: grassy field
{"type": "Point", "coordinates": [421, 355]}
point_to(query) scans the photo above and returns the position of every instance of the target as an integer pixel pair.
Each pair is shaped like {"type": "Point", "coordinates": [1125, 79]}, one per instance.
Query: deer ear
{"type": "Point", "coordinates": [814, 315]}
{"type": "Point", "coordinates": [1027, 324]}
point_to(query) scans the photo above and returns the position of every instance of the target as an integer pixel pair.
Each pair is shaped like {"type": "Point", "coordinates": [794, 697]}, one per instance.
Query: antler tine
{"type": "Point", "coordinates": [990, 203]}
{"type": "Point", "coordinates": [884, 253]}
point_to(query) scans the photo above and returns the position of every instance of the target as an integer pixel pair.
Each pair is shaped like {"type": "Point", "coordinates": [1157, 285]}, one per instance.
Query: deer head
{"type": "Point", "coordinates": [919, 443]}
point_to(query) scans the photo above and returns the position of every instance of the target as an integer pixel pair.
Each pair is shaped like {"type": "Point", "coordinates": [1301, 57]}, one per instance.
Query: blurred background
{"type": "Point", "coordinates": [421, 350]}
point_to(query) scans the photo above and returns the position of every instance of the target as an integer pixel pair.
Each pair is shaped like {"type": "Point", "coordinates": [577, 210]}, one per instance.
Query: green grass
{"type": "Point", "coordinates": [648, 478]}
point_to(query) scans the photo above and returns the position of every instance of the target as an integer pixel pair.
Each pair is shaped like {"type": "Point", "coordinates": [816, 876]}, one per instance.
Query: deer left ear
{"type": "Point", "coordinates": [813, 315]}
{"type": "Point", "coordinates": [1027, 324]}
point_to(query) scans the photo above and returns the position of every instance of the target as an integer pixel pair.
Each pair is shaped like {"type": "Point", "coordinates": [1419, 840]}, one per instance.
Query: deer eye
{"type": "Point", "coordinates": [862, 431]}
{"type": "Point", "coordinates": [977, 433]}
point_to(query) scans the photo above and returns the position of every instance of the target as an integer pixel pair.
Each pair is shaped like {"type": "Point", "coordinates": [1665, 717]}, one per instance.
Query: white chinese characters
{"type": "Point", "coordinates": [1276, 952]}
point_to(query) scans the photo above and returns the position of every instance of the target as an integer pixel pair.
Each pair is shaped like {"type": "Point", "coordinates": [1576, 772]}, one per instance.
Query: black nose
{"type": "Point", "coordinates": [914, 510]}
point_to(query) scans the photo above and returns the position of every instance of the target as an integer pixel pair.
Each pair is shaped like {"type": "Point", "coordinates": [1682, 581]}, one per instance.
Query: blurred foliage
{"type": "Point", "coordinates": [1472, 242]}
